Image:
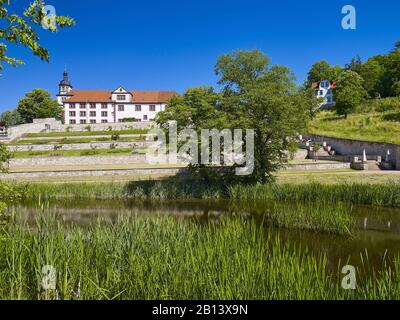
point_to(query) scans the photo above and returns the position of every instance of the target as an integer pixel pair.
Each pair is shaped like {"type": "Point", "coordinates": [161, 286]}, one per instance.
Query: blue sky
{"type": "Point", "coordinates": [173, 45]}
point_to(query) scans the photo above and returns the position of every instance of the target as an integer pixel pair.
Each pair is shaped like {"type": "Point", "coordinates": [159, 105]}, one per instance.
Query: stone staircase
{"type": "Point", "coordinates": [373, 165]}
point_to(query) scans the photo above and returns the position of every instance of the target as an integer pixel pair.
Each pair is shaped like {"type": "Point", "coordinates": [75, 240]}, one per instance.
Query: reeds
{"type": "Point", "coordinates": [367, 194]}
{"type": "Point", "coordinates": [159, 258]}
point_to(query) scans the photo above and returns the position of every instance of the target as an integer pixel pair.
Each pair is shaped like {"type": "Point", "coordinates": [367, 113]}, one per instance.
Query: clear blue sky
{"type": "Point", "coordinates": [173, 45]}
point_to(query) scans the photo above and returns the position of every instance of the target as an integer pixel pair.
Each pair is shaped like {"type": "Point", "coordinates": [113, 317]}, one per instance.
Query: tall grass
{"type": "Point", "coordinates": [366, 194]}
{"type": "Point", "coordinates": [155, 258]}
{"type": "Point", "coordinates": [387, 194]}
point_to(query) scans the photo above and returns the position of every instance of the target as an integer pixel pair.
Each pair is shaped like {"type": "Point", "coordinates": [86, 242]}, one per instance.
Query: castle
{"type": "Point", "coordinates": [109, 106]}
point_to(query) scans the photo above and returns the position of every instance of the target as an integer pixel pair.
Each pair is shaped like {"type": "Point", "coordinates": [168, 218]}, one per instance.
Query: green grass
{"type": "Point", "coordinates": [165, 258]}
{"type": "Point", "coordinates": [77, 140]}
{"type": "Point", "coordinates": [352, 193]}
{"type": "Point", "coordinates": [387, 194]}
{"type": "Point", "coordinates": [73, 153]}
{"type": "Point", "coordinates": [86, 133]}
{"type": "Point", "coordinates": [373, 126]}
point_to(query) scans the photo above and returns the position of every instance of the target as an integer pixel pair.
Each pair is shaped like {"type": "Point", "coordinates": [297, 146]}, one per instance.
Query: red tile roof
{"type": "Point", "coordinates": [315, 85]}
{"type": "Point", "coordinates": [105, 96]}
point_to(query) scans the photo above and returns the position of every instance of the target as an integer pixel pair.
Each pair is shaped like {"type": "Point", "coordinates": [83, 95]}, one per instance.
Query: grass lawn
{"type": "Point", "coordinates": [337, 176]}
{"type": "Point", "coordinates": [374, 126]}
{"type": "Point", "coordinates": [86, 133]}
{"type": "Point", "coordinates": [76, 140]}
{"type": "Point", "coordinates": [72, 153]}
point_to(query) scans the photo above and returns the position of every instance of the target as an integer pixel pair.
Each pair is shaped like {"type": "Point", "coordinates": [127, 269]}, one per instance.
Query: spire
{"type": "Point", "coordinates": [65, 81]}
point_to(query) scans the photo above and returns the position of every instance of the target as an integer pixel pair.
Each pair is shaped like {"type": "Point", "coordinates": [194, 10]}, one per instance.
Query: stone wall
{"type": "Point", "coordinates": [96, 173]}
{"type": "Point", "coordinates": [80, 146]}
{"type": "Point", "coordinates": [350, 147]}
{"type": "Point", "coordinates": [52, 125]}
{"type": "Point", "coordinates": [78, 161]}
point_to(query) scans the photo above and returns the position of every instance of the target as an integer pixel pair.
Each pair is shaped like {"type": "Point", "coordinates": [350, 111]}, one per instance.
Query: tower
{"type": "Point", "coordinates": [65, 87]}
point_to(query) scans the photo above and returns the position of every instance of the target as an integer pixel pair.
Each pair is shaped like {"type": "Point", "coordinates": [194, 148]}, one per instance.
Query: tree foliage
{"type": "Point", "coordinates": [322, 70]}
{"type": "Point", "coordinates": [254, 95]}
{"type": "Point", "coordinates": [38, 104]}
{"type": "Point", "coordinates": [350, 92]}
{"type": "Point", "coordinates": [5, 156]}
{"type": "Point", "coordinates": [20, 29]}
{"type": "Point", "coordinates": [11, 118]}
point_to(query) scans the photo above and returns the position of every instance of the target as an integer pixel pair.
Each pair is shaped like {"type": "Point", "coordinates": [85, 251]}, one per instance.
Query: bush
{"type": "Point", "coordinates": [89, 152]}
{"type": "Point", "coordinates": [387, 104]}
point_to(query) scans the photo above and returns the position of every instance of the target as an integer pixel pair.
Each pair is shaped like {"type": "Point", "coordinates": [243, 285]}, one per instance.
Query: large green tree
{"type": "Point", "coordinates": [23, 29]}
{"type": "Point", "coordinates": [38, 104]}
{"type": "Point", "coordinates": [371, 72]}
{"type": "Point", "coordinates": [322, 70]}
{"type": "Point", "coordinates": [254, 95]}
{"type": "Point", "coordinates": [11, 118]}
{"type": "Point", "coordinates": [350, 92]}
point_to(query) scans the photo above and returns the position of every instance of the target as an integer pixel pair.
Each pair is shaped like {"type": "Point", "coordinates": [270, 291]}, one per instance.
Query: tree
{"type": "Point", "coordinates": [371, 72]}
{"type": "Point", "coordinates": [197, 106]}
{"type": "Point", "coordinates": [354, 65]}
{"type": "Point", "coordinates": [263, 98]}
{"type": "Point", "coordinates": [11, 118]}
{"type": "Point", "coordinates": [38, 105]}
{"type": "Point", "coordinates": [350, 92]}
{"type": "Point", "coordinates": [19, 29]}
{"type": "Point", "coordinates": [5, 156]}
{"type": "Point", "coordinates": [322, 70]}
{"type": "Point", "coordinates": [255, 95]}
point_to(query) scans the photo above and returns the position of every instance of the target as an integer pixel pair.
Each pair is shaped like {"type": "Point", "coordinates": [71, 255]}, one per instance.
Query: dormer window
{"type": "Point", "coordinates": [121, 97]}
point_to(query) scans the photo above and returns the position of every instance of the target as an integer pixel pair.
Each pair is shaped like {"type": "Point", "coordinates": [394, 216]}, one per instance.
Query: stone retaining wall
{"type": "Point", "coordinates": [95, 173]}
{"type": "Point", "coordinates": [317, 166]}
{"type": "Point", "coordinates": [77, 161]}
{"type": "Point", "coordinates": [350, 147]}
{"type": "Point", "coordinates": [53, 125]}
{"type": "Point", "coordinates": [80, 146]}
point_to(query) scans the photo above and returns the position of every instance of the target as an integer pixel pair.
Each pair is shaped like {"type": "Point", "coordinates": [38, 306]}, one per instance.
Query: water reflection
{"type": "Point", "coordinates": [377, 236]}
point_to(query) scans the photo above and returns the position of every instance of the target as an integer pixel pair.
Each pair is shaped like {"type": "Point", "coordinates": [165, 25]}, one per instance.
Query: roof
{"type": "Point", "coordinates": [105, 96]}
{"type": "Point", "coordinates": [315, 85]}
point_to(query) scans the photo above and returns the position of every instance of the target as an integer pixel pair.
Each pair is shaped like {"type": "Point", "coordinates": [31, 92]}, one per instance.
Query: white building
{"type": "Point", "coordinates": [109, 106]}
{"type": "Point", "coordinates": [325, 90]}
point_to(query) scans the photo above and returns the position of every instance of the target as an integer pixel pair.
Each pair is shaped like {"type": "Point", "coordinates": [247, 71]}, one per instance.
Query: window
{"type": "Point", "coordinates": [104, 114]}
{"type": "Point", "coordinates": [82, 113]}
{"type": "Point", "coordinates": [82, 105]}
{"type": "Point", "coordinates": [144, 117]}
{"type": "Point", "coordinates": [104, 121]}
{"type": "Point", "coordinates": [138, 107]}
{"type": "Point", "coordinates": [330, 91]}
{"type": "Point", "coordinates": [329, 99]}
{"type": "Point", "coordinates": [83, 121]}
{"type": "Point", "coordinates": [152, 107]}
{"type": "Point", "coordinates": [121, 108]}
{"type": "Point", "coordinates": [72, 106]}
{"type": "Point", "coordinates": [72, 121]}
{"type": "Point", "coordinates": [92, 113]}
{"type": "Point", "coordinates": [92, 106]}
{"type": "Point", "coordinates": [104, 105]}
{"type": "Point", "coordinates": [93, 121]}
{"type": "Point", "coordinates": [121, 97]}
{"type": "Point", "coordinates": [72, 113]}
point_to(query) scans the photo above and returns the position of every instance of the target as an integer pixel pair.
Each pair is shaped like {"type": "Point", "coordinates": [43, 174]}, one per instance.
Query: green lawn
{"type": "Point", "coordinates": [86, 133]}
{"type": "Point", "coordinates": [374, 126]}
{"type": "Point", "coordinates": [73, 153]}
{"type": "Point", "coordinates": [77, 140]}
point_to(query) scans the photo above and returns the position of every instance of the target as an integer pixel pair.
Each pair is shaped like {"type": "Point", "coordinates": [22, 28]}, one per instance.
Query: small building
{"type": "Point", "coordinates": [325, 90]}
{"type": "Point", "coordinates": [109, 106]}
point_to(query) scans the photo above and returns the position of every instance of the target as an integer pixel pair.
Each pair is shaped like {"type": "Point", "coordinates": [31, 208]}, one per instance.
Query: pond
{"type": "Point", "coordinates": [375, 239]}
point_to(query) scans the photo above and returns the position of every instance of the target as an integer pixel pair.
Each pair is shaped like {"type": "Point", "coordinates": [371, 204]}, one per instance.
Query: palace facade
{"type": "Point", "coordinates": [109, 106]}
